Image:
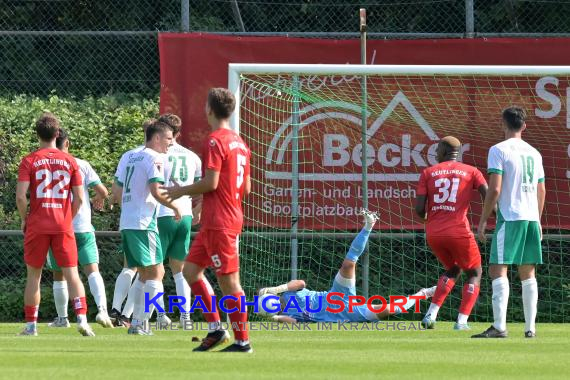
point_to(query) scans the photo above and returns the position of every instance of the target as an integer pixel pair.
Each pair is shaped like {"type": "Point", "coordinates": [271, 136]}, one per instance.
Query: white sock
{"type": "Point", "coordinates": [433, 310]}
{"type": "Point", "coordinates": [122, 286]}
{"type": "Point", "coordinates": [462, 319]}
{"type": "Point", "coordinates": [32, 325]}
{"type": "Point", "coordinates": [242, 342]}
{"type": "Point", "coordinates": [130, 303]}
{"type": "Point", "coordinates": [97, 288]}
{"type": "Point", "coordinates": [152, 287]}
{"type": "Point", "coordinates": [160, 300]}
{"type": "Point", "coordinates": [81, 319]}
{"type": "Point", "coordinates": [500, 302]}
{"type": "Point", "coordinates": [182, 290]}
{"type": "Point", "coordinates": [61, 298]}
{"type": "Point", "coordinates": [530, 301]}
{"type": "Point", "coordinates": [138, 302]}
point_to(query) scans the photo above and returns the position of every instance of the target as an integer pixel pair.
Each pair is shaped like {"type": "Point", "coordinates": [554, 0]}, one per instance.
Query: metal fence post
{"type": "Point", "coordinates": [469, 19]}
{"type": "Point", "coordinates": [185, 15]}
{"type": "Point", "coordinates": [237, 16]}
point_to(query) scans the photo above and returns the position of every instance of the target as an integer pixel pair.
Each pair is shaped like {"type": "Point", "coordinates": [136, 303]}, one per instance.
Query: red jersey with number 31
{"type": "Point", "coordinates": [226, 153]}
{"type": "Point", "coordinates": [448, 187]}
{"type": "Point", "coordinates": [51, 174]}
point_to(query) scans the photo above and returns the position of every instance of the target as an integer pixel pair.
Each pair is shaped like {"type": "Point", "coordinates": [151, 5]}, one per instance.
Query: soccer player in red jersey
{"type": "Point", "coordinates": [51, 176]}
{"type": "Point", "coordinates": [445, 190]}
{"type": "Point", "coordinates": [225, 164]}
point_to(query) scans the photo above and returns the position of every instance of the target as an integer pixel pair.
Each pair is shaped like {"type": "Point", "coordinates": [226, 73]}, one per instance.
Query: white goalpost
{"type": "Point", "coordinates": [303, 124]}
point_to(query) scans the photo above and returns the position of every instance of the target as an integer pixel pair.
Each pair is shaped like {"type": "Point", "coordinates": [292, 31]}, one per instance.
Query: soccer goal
{"type": "Point", "coordinates": [329, 139]}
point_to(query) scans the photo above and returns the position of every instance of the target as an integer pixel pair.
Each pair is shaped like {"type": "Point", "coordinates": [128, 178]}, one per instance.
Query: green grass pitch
{"type": "Point", "coordinates": [433, 354]}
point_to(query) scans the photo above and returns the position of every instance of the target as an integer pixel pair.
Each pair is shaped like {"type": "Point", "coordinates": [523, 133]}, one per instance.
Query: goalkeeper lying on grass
{"type": "Point", "coordinates": [344, 282]}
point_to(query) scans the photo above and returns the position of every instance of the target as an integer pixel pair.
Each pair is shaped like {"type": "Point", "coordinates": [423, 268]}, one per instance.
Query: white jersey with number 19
{"type": "Point", "coordinates": [520, 165]}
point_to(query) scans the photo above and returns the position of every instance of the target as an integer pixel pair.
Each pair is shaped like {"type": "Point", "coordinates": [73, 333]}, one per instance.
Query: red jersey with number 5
{"type": "Point", "coordinates": [226, 153]}
{"type": "Point", "coordinates": [448, 187]}
{"type": "Point", "coordinates": [51, 174]}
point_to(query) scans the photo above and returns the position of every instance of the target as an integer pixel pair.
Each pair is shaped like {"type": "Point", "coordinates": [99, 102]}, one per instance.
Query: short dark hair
{"type": "Point", "coordinates": [47, 126]}
{"type": "Point", "coordinates": [156, 127]}
{"type": "Point", "coordinates": [222, 102]}
{"type": "Point", "coordinates": [173, 120]}
{"type": "Point", "coordinates": [62, 136]}
{"type": "Point", "coordinates": [147, 123]}
{"type": "Point", "coordinates": [514, 118]}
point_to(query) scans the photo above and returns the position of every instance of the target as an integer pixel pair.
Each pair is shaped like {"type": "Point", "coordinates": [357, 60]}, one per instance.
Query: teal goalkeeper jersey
{"type": "Point", "coordinates": [317, 305]}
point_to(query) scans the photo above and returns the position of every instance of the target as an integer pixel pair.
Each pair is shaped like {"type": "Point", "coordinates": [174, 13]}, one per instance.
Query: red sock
{"type": "Point", "coordinates": [31, 313]}
{"type": "Point", "coordinates": [238, 319]}
{"type": "Point", "coordinates": [80, 305]}
{"type": "Point", "coordinates": [444, 287]}
{"type": "Point", "coordinates": [468, 298]}
{"type": "Point", "coordinates": [203, 289]}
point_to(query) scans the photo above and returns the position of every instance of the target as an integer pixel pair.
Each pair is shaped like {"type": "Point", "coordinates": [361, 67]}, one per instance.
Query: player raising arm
{"type": "Point", "coordinates": [445, 190]}
{"type": "Point", "coordinates": [516, 184]}
{"type": "Point", "coordinates": [344, 282]}
{"type": "Point", "coordinates": [51, 176]}
{"type": "Point", "coordinates": [226, 181]}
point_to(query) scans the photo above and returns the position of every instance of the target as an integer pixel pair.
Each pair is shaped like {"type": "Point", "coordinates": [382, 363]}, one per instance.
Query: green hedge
{"type": "Point", "coordinates": [100, 130]}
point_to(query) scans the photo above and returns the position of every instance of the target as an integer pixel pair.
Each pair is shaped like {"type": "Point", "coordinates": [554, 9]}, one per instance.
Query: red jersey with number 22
{"type": "Point", "coordinates": [448, 187]}
{"type": "Point", "coordinates": [51, 174]}
{"type": "Point", "coordinates": [226, 153]}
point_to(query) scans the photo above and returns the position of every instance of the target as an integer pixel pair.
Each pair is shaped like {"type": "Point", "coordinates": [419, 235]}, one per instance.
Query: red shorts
{"type": "Point", "coordinates": [215, 248]}
{"type": "Point", "coordinates": [62, 245]}
{"type": "Point", "coordinates": [450, 251]}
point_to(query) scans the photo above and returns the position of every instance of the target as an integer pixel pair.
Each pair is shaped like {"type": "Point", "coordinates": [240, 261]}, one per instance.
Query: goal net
{"type": "Point", "coordinates": [307, 125]}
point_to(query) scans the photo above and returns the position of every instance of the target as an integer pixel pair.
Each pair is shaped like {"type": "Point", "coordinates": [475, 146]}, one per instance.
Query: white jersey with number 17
{"type": "Point", "coordinates": [124, 159]}
{"type": "Point", "coordinates": [520, 165]}
{"type": "Point", "coordinates": [139, 207]}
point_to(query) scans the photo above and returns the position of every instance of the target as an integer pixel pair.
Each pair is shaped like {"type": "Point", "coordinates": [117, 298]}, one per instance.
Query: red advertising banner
{"type": "Point", "coordinates": [404, 128]}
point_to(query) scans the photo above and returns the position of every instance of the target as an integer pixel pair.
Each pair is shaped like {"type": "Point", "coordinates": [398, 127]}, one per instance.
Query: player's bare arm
{"type": "Point", "coordinates": [163, 200]}
{"type": "Point", "coordinates": [541, 194]}
{"type": "Point", "coordinates": [101, 193]}
{"type": "Point", "coordinates": [295, 285]}
{"type": "Point", "coordinates": [421, 206]}
{"type": "Point", "coordinates": [491, 198]}
{"type": "Point", "coordinates": [78, 200]}
{"type": "Point", "coordinates": [22, 201]}
{"type": "Point", "coordinates": [283, 319]}
{"type": "Point", "coordinates": [205, 185]}
{"type": "Point", "coordinates": [116, 193]}
{"type": "Point", "coordinates": [247, 188]}
{"type": "Point", "coordinates": [197, 211]}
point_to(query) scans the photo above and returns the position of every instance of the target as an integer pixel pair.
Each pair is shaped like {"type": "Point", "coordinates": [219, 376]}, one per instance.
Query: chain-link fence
{"type": "Point", "coordinates": [100, 47]}
{"type": "Point", "coordinates": [389, 18]}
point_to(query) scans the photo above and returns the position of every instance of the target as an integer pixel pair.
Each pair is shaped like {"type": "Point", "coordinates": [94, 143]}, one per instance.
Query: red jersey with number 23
{"type": "Point", "coordinates": [448, 187]}
{"type": "Point", "coordinates": [51, 174]}
{"type": "Point", "coordinates": [226, 153]}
